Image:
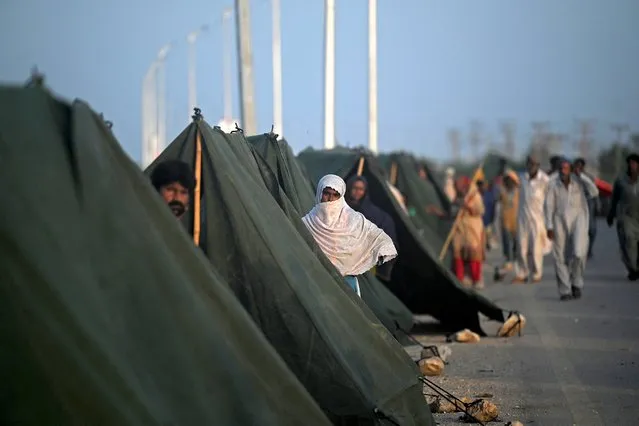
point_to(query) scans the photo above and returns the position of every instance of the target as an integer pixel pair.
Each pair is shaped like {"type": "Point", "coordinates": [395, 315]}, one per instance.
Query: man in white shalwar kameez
{"type": "Point", "coordinates": [531, 230]}
{"type": "Point", "coordinates": [567, 217]}
{"type": "Point", "coordinates": [351, 242]}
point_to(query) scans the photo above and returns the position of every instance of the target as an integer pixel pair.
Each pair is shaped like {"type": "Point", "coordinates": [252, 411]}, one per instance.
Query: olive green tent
{"type": "Point", "coordinates": [109, 314]}
{"type": "Point", "coordinates": [419, 279]}
{"type": "Point", "coordinates": [297, 186]}
{"type": "Point", "coordinates": [335, 345]}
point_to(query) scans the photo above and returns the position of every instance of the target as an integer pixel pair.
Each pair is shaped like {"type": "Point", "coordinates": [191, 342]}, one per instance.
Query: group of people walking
{"type": "Point", "coordinates": [536, 213]}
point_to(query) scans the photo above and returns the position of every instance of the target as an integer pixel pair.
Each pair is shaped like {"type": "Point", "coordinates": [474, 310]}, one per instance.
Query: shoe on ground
{"type": "Point", "coordinates": [565, 297]}
{"type": "Point", "coordinates": [633, 276]}
{"type": "Point", "coordinates": [576, 293]}
{"type": "Point", "coordinates": [520, 280]}
{"type": "Point", "coordinates": [478, 285]}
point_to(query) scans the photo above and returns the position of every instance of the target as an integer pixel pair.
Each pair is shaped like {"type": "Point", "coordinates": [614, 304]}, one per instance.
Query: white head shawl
{"type": "Point", "coordinates": [351, 242]}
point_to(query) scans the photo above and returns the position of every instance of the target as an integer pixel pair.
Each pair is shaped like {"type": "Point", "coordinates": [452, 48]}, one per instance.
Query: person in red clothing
{"type": "Point", "coordinates": [468, 238]}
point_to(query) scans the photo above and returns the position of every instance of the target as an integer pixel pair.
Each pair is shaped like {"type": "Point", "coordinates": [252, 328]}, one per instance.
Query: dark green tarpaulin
{"type": "Point", "coordinates": [338, 349]}
{"type": "Point", "coordinates": [110, 315]}
{"type": "Point", "coordinates": [297, 186]}
{"type": "Point", "coordinates": [419, 279]}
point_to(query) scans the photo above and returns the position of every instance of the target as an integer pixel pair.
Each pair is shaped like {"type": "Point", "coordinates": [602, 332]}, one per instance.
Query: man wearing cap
{"type": "Point", "coordinates": [566, 217]}
{"type": "Point", "coordinates": [175, 182]}
{"type": "Point", "coordinates": [625, 207]}
{"type": "Point", "coordinates": [531, 231]}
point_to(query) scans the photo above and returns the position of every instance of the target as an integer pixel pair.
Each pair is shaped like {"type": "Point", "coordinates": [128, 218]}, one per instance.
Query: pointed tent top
{"type": "Point", "coordinates": [197, 114]}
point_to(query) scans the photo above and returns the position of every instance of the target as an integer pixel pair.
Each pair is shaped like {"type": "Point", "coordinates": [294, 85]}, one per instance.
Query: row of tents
{"type": "Point", "coordinates": [112, 315]}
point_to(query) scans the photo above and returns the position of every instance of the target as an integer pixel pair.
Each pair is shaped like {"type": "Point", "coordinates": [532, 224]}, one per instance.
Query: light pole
{"type": "Point", "coordinates": [277, 70]}
{"type": "Point", "coordinates": [149, 116]}
{"type": "Point", "coordinates": [245, 62]}
{"type": "Point", "coordinates": [329, 75]}
{"type": "Point", "coordinates": [161, 98]}
{"type": "Point", "coordinates": [192, 65]}
{"type": "Point", "coordinates": [227, 124]}
{"type": "Point", "coordinates": [372, 76]}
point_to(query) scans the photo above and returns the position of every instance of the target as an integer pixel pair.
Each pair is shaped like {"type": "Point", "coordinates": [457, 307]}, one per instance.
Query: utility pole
{"type": "Point", "coordinates": [454, 142]}
{"type": "Point", "coordinates": [329, 74]}
{"type": "Point", "coordinates": [508, 132]}
{"type": "Point", "coordinates": [372, 76]}
{"type": "Point", "coordinates": [277, 71]}
{"type": "Point", "coordinates": [245, 65]}
{"type": "Point", "coordinates": [161, 99]}
{"type": "Point", "coordinates": [475, 139]}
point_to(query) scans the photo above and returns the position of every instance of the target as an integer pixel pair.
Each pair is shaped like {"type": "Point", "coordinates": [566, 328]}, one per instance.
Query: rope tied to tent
{"type": "Point", "coordinates": [107, 123]}
{"type": "Point", "coordinates": [517, 322]}
{"type": "Point", "coordinates": [197, 114]}
{"type": "Point", "coordinates": [464, 406]}
{"type": "Point", "coordinates": [237, 129]}
{"type": "Point", "coordinates": [432, 348]}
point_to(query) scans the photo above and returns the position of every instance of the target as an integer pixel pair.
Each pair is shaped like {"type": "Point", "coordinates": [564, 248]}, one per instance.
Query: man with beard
{"type": "Point", "coordinates": [357, 199]}
{"type": "Point", "coordinates": [175, 182]}
{"type": "Point", "coordinates": [530, 222]}
{"type": "Point", "coordinates": [566, 218]}
{"type": "Point", "coordinates": [625, 207]}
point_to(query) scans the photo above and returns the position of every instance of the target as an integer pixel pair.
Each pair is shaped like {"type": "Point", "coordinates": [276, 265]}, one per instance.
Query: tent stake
{"type": "Point", "coordinates": [360, 166]}
{"type": "Point", "coordinates": [198, 186]}
{"type": "Point", "coordinates": [460, 213]}
{"type": "Point", "coordinates": [393, 173]}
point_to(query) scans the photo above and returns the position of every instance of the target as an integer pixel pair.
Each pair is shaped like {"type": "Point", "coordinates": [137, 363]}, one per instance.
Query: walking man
{"type": "Point", "coordinates": [566, 215]}
{"type": "Point", "coordinates": [625, 207]}
{"type": "Point", "coordinates": [531, 232]}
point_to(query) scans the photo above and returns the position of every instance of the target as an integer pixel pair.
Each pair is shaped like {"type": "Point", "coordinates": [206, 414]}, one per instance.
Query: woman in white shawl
{"type": "Point", "coordinates": [352, 243]}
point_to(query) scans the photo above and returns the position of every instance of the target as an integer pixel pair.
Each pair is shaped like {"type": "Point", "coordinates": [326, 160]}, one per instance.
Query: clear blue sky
{"type": "Point", "coordinates": [441, 64]}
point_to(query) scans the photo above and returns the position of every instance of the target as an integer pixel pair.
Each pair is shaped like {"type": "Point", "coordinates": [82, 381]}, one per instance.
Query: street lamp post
{"type": "Point", "coordinates": [277, 71]}
{"type": "Point", "coordinates": [192, 65]}
{"type": "Point", "coordinates": [161, 98]}
{"type": "Point", "coordinates": [149, 116]}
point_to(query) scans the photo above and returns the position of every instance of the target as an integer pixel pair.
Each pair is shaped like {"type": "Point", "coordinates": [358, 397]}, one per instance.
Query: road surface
{"type": "Point", "coordinates": [577, 362]}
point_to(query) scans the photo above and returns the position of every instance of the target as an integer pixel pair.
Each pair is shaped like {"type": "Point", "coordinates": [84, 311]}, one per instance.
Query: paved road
{"type": "Point", "coordinates": [578, 361]}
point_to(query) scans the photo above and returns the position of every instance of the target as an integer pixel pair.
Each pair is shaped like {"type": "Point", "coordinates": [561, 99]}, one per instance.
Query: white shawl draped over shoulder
{"type": "Point", "coordinates": [351, 242]}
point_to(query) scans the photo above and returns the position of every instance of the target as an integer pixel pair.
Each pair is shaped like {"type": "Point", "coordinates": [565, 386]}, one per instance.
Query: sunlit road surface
{"type": "Point", "coordinates": [577, 362]}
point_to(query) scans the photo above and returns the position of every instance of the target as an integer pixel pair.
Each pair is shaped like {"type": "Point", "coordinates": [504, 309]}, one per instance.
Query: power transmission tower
{"type": "Point", "coordinates": [454, 140]}
{"type": "Point", "coordinates": [475, 139]}
{"type": "Point", "coordinates": [508, 133]}
{"type": "Point", "coordinates": [584, 144]}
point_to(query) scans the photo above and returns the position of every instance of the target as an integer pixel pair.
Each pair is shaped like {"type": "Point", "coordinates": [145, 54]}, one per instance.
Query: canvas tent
{"type": "Point", "coordinates": [339, 350]}
{"type": "Point", "coordinates": [298, 187]}
{"type": "Point", "coordinates": [419, 279]}
{"type": "Point", "coordinates": [109, 314]}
